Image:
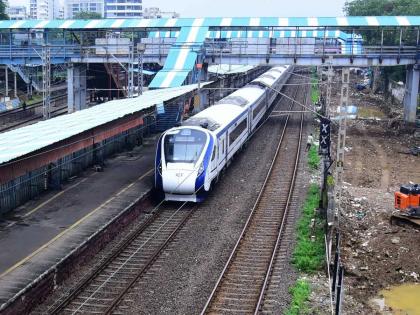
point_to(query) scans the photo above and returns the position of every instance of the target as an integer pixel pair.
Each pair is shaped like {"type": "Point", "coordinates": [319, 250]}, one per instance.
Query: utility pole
{"type": "Point", "coordinates": [330, 76]}
{"type": "Point", "coordinates": [341, 143]}
{"type": "Point", "coordinates": [46, 82]}
{"type": "Point", "coordinates": [130, 74]}
{"type": "Point", "coordinates": [141, 48]}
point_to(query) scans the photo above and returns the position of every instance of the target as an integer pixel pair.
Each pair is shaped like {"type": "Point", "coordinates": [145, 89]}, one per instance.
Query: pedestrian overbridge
{"type": "Point", "coordinates": [179, 45]}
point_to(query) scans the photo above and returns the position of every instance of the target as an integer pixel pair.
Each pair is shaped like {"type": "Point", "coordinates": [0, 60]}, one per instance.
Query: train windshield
{"type": "Point", "coordinates": [184, 145]}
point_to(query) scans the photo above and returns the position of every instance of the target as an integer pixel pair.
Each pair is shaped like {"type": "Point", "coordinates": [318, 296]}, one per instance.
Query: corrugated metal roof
{"type": "Point", "coordinates": [216, 22]}
{"type": "Point", "coordinates": [181, 57]}
{"type": "Point", "coordinates": [22, 141]}
{"type": "Point", "coordinates": [229, 69]}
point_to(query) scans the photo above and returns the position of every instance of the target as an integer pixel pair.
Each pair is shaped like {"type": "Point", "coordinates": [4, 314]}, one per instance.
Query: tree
{"type": "Point", "coordinates": [87, 15]}
{"type": "Point", "coordinates": [382, 7]}
{"type": "Point", "coordinates": [391, 37]}
{"type": "Point", "coordinates": [3, 14]}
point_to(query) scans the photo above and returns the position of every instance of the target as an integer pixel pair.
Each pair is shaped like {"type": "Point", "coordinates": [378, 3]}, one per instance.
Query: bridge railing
{"type": "Point", "coordinates": [214, 49]}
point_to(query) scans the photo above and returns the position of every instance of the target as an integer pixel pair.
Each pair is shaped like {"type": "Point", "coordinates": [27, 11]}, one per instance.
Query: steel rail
{"type": "Point", "coordinates": [117, 251]}
{"type": "Point", "coordinates": [251, 216]}
{"type": "Point", "coordinates": [281, 230]}
{"type": "Point", "coordinates": [32, 106]}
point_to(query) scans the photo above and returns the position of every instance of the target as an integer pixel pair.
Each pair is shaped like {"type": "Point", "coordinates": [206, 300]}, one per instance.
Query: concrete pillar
{"type": "Point", "coordinates": [411, 94]}
{"type": "Point", "coordinates": [76, 87]}
{"type": "Point", "coordinates": [7, 80]}
{"type": "Point", "coordinates": [15, 84]}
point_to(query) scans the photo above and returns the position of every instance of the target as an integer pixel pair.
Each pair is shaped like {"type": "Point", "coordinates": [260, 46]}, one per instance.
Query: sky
{"type": "Point", "coordinates": [259, 8]}
{"type": "Point", "coordinates": [232, 8]}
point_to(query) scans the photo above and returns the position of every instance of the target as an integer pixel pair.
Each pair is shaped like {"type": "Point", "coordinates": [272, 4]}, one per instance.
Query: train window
{"type": "Point", "coordinates": [184, 146]}
{"type": "Point", "coordinates": [235, 133]}
{"type": "Point", "coordinates": [258, 109]}
{"type": "Point", "coordinates": [214, 154]}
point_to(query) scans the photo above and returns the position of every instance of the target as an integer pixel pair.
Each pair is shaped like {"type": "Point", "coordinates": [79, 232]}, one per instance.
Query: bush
{"type": "Point", "coordinates": [313, 158]}
{"type": "Point", "coordinates": [300, 294]}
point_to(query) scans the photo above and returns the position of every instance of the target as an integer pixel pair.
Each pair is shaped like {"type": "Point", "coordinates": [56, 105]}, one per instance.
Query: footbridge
{"type": "Point", "coordinates": [185, 46]}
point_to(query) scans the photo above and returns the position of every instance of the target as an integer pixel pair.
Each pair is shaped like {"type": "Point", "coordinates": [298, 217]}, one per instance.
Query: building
{"type": "Point", "coordinates": [156, 13]}
{"type": "Point", "coordinates": [123, 9]}
{"type": "Point", "coordinates": [58, 10]}
{"type": "Point", "coordinates": [41, 9]}
{"type": "Point", "coordinates": [17, 12]}
{"type": "Point", "coordinates": [73, 7]}
{"type": "Point", "coordinates": [60, 13]}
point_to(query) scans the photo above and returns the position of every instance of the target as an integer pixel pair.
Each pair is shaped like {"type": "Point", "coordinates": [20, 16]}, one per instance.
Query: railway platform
{"type": "Point", "coordinates": [41, 234]}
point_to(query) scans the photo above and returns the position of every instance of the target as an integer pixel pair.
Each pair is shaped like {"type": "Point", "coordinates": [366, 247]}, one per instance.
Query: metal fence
{"type": "Point", "coordinates": [26, 187]}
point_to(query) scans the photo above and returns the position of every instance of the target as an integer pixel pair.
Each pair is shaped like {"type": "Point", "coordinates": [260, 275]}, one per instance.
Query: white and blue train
{"type": "Point", "coordinates": [190, 158]}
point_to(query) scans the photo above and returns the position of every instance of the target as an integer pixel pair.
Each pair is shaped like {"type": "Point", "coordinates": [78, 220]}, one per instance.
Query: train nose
{"type": "Point", "coordinates": [179, 180]}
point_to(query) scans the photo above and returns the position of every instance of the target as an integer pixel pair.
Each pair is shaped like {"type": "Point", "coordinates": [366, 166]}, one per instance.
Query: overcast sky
{"type": "Point", "coordinates": [231, 8]}
{"type": "Point", "coordinates": [200, 8]}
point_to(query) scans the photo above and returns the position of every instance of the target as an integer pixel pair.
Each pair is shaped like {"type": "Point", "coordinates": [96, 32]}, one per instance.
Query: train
{"type": "Point", "coordinates": [190, 157]}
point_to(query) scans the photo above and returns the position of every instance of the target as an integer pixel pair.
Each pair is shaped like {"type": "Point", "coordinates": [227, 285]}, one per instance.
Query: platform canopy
{"type": "Point", "coordinates": [353, 21]}
{"type": "Point", "coordinates": [20, 142]}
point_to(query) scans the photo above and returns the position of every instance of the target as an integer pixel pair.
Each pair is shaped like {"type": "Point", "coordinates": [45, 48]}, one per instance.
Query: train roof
{"type": "Point", "coordinates": [227, 109]}
{"type": "Point", "coordinates": [270, 77]}
{"type": "Point", "coordinates": [221, 114]}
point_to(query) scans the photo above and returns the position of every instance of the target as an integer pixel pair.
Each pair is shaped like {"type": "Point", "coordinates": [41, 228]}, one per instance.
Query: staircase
{"type": "Point", "coordinates": [168, 119]}
{"type": "Point", "coordinates": [25, 76]}
{"type": "Point", "coordinates": [118, 75]}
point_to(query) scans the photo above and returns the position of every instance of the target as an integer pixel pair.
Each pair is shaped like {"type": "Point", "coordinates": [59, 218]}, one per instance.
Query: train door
{"type": "Point", "coordinates": [222, 152]}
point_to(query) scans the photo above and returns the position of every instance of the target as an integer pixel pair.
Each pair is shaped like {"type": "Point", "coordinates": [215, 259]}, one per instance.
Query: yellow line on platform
{"type": "Point", "coordinates": [21, 262]}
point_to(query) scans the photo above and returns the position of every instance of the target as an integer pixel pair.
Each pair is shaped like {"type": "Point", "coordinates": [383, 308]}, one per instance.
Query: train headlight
{"type": "Point", "coordinates": [200, 169]}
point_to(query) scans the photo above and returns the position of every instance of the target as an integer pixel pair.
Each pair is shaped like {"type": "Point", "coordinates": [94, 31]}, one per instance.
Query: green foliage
{"type": "Point", "coordinates": [314, 87]}
{"type": "Point", "coordinates": [391, 36]}
{"type": "Point", "coordinates": [313, 158]}
{"type": "Point", "coordinates": [382, 7]}
{"type": "Point", "coordinates": [300, 295]}
{"type": "Point", "coordinates": [3, 15]}
{"type": "Point", "coordinates": [86, 15]}
{"type": "Point", "coordinates": [308, 255]}
{"type": "Point", "coordinates": [314, 91]}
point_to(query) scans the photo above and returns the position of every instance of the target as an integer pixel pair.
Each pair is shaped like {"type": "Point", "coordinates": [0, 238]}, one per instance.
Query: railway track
{"type": "Point", "coordinates": [104, 289]}
{"type": "Point", "coordinates": [243, 284]}
{"type": "Point", "coordinates": [60, 110]}
{"type": "Point", "coordinates": [5, 116]}
{"type": "Point", "coordinates": [33, 106]}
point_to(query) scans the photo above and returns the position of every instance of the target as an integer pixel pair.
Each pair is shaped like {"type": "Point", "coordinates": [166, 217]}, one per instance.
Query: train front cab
{"type": "Point", "coordinates": [183, 164]}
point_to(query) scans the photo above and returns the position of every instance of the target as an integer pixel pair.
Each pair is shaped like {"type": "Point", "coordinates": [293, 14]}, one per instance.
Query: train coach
{"type": "Point", "coordinates": [190, 158]}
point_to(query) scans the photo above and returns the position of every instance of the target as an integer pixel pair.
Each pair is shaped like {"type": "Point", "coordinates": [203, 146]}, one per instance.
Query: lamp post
{"type": "Point", "coordinates": [141, 48]}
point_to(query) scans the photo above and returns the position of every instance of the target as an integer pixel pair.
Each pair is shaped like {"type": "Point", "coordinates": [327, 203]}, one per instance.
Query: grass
{"type": "Point", "coordinates": [308, 255]}
{"type": "Point", "coordinates": [314, 90]}
{"type": "Point", "coordinates": [300, 294]}
{"type": "Point", "coordinates": [35, 99]}
{"type": "Point", "coordinates": [313, 158]}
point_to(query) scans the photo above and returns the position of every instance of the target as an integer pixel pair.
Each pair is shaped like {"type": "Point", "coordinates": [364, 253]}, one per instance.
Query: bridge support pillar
{"type": "Point", "coordinates": [411, 93]}
{"type": "Point", "coordinates": [76, 87]}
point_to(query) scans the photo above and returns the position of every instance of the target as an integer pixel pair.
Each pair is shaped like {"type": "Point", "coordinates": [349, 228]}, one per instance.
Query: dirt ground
{"type": "Point", "coordinates": [375, 253]}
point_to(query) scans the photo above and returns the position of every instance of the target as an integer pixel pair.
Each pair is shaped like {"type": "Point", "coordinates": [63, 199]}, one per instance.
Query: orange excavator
{"type": "Point", "coordinates": [407, 202]}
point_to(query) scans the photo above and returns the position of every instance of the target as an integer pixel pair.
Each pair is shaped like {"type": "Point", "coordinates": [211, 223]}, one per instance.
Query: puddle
{"type": "Point", "coordinates": [402, 300]}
